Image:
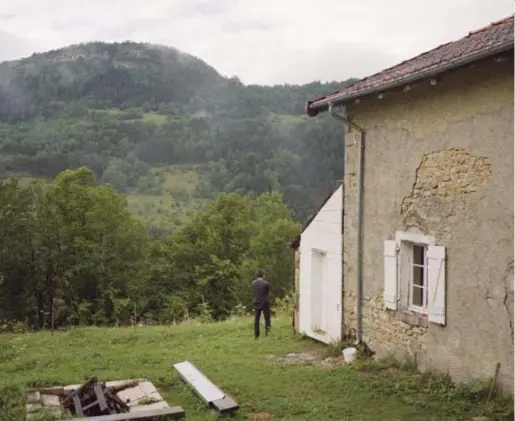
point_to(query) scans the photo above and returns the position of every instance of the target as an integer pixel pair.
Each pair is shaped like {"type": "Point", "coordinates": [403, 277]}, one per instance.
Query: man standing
{"type": "Point", "coordinates": [261, 301]}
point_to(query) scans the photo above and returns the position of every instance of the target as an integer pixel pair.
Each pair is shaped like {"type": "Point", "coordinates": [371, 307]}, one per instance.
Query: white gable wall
{"type": "Point", "coordinates": [323, 235]}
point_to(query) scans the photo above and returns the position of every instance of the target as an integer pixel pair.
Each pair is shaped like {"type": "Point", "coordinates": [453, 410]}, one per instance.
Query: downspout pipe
{"type": "Point", "coordinates": [359, 211]}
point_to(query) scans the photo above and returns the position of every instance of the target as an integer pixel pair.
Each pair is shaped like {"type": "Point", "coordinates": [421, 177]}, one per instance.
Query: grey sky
{"type": "Point", "coordinates": [261, 41]}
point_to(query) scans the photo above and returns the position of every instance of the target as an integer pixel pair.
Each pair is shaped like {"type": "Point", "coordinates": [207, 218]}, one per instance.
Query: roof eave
{"type": "Point", "coordinates": [315, 107]}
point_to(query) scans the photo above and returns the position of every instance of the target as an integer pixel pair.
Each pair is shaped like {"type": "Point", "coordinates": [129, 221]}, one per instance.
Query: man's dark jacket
{"type": "Point", "coordinates": [260, 293]}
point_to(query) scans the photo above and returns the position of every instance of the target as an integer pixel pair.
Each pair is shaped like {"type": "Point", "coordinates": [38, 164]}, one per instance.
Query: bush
{"type": "Point", "coordinates": [13, 326]}
{"type": "Point", "coordinates": [12, 403]}
{"type": "Point", "coordinates": [285, 304]}
{"type": "Point", "coordinates": [239, 311]}
{"type": "Point", "coordinates": [204, 312]}
{"type": "Point", "coordinates": [180, 193]}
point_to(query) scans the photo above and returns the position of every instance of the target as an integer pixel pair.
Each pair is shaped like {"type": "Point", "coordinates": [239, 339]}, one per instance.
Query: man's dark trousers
{"type": "Point", "coordinates": [265, 309]}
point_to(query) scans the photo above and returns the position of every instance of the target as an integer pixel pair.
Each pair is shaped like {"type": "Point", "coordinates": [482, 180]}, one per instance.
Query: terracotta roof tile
{"type": "Point", "coordinates": [495, 35]}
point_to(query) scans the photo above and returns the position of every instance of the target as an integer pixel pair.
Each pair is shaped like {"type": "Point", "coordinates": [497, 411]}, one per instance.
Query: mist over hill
{"type": "Point", "coordinates": [145, 118]}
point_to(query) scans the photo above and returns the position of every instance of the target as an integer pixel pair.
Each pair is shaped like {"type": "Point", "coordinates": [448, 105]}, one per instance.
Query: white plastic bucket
{"type": "Point", "coordinates": [349, 354]}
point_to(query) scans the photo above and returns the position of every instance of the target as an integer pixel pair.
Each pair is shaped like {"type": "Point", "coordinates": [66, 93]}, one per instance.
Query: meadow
{"type": "Point", "coordinates": [251, 371]}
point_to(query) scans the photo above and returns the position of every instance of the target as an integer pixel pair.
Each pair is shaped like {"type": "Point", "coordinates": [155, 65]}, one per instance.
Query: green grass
{"type": "Point", "coordinates": [150, 117]}
{"type": "Point", "coordinates": [284, 124]}
{"type": "Point", "coordinates": [241, 366]}
{"type": "Point", "coordinates": [155, 118]}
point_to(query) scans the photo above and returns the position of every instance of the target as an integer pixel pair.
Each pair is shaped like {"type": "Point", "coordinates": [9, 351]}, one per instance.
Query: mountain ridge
{"type": "Point", "coordinates": [122, 109]}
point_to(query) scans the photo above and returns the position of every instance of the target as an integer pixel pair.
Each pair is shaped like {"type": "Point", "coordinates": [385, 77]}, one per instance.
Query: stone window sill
{"type": "Point", "coordinates": [412, 318]}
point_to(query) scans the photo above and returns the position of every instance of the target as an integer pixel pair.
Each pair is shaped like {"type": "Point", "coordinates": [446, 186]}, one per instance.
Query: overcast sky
{"type": "Point", "coordinates": [260, 41]}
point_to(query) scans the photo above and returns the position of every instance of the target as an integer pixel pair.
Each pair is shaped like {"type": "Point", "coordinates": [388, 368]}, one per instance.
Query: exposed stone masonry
{"type": "Point", "coordinates": [387, 327]}
{"type": "Point", "coordinates": [442, 180]}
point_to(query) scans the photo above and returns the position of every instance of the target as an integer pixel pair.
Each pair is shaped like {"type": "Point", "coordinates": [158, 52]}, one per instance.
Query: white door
{"type": "Point", "coordinates": [333, 299]}
{"type": "Point", "coordinates": [318, 292]}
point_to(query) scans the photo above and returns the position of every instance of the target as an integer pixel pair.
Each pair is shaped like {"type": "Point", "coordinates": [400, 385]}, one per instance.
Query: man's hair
{"type": "Point", "coordinates": [260, 273]}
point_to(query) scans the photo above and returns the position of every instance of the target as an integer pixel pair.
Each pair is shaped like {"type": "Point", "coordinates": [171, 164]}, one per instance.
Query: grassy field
{"type": "Point", "coordinates": [150, 117]}
{"type": "Point", "coordinates": [173, 205]}
{"type": "Point", "coordinates": [244, 368]}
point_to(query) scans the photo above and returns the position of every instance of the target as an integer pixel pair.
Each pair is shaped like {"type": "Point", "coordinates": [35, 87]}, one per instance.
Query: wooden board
{"type": "Point", "coordinates": [212, 396]}
{"type": "Point", "coordinates": [173, 413]}
{"type": "Point", "coordinates": [206, 390]}
{"type": "Point", "coordinates": [225, 405]}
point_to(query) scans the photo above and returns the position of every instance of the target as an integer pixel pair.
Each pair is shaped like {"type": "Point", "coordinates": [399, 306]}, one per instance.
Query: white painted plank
{"type": "Point", "coordinates": [200, 383]}
{"type": "Point", "coordinates": [390, 293]}
{"type": "Point", "coordinates": [436, 284]}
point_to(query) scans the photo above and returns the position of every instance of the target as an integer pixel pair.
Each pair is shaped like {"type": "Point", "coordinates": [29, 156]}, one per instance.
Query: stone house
{"type": "Point", "coordinates": [427, 226]}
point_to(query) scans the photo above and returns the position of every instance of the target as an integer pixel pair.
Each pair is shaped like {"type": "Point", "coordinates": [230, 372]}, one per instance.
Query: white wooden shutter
{"type": "Point", "coordinates": [436, 284]}
{"type": "Point", "coordinates": [390, 275]}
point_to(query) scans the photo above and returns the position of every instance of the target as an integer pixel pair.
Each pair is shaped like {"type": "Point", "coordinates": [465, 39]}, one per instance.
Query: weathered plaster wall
{"type": "Point", "coordinates": [297, 289]}
{"type": "Point", "coordinates": [440, 159]}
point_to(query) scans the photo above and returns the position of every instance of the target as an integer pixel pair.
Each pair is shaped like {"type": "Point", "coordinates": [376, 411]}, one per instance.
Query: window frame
{"type": "Point", "coordinates": [405, 242]}
{"type": "Point", "coordinates": [413, 307]}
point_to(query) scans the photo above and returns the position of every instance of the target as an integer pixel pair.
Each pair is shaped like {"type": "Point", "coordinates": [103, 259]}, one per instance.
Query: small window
{"type": "Point", "coordinates": [418, 278]}
{"type": "Point", "coordinates": [415, 275]}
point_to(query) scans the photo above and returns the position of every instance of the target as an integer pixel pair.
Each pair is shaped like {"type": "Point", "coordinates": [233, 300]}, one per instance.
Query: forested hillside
{"type": "Point", "coordinates": [134, 113]}
{"type": "Point", "coordinates": [71, 253]}
{"type": "Point", "coordinates": [148, 188]}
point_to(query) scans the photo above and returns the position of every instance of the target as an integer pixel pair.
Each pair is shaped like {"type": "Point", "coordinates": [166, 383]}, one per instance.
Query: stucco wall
{"type": "Point", "coordinates": [297, 290]}
{"type": "Point", "coordinates": [440, 159]}
{"type": "Point", "coordinates": [323, 234]}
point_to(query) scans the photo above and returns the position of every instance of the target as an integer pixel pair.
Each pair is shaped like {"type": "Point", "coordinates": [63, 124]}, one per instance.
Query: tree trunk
{"type": "Point", "coordinates": [52, 316]}
{"type": "Point", "coordinates": [50, 311]}
{"type": "Point", "coordinates": [39, 300]}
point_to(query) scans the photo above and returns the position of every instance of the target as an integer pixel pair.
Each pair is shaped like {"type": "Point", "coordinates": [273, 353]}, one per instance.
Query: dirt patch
{"type": "Point", "coordinates": [259, 416]}
{"type": "Point", "coordinates": [311, 358]}
{"type": "Point", "coordinates": [296, 358]}
{"type": "Point", "coordinates": [332, 361]}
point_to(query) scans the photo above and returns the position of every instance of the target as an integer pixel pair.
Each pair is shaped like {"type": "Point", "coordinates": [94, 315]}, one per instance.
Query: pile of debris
{"type": "Point", "coordinates": [128, 400]}
{"type": "Point", "coordinates": [120, 400]}
{"type": "Point", "coordinates": [94, 398]}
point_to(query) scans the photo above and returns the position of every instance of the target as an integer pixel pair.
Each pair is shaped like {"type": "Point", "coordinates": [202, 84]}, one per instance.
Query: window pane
{"type": "Point", "coordinates": [418, 275]}
{"type": "Point", "coordinates": [418, 255]}
{"type": "Point", "coordinates": [418, 296]}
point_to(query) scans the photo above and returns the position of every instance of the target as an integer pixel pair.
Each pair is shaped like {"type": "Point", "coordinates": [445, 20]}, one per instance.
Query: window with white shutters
{"type": "Point", "coordinates": [414, 276]}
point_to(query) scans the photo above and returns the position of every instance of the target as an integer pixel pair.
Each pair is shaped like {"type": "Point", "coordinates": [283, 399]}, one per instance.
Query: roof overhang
{"type": "Point", "coordinates": [321, 104]}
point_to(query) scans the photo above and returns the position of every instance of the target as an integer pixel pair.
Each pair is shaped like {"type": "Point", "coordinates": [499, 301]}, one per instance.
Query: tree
{"type": "Point", "coordinates": [272, 229]}
{"type": "Point", "coordinates": [78, 246]}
